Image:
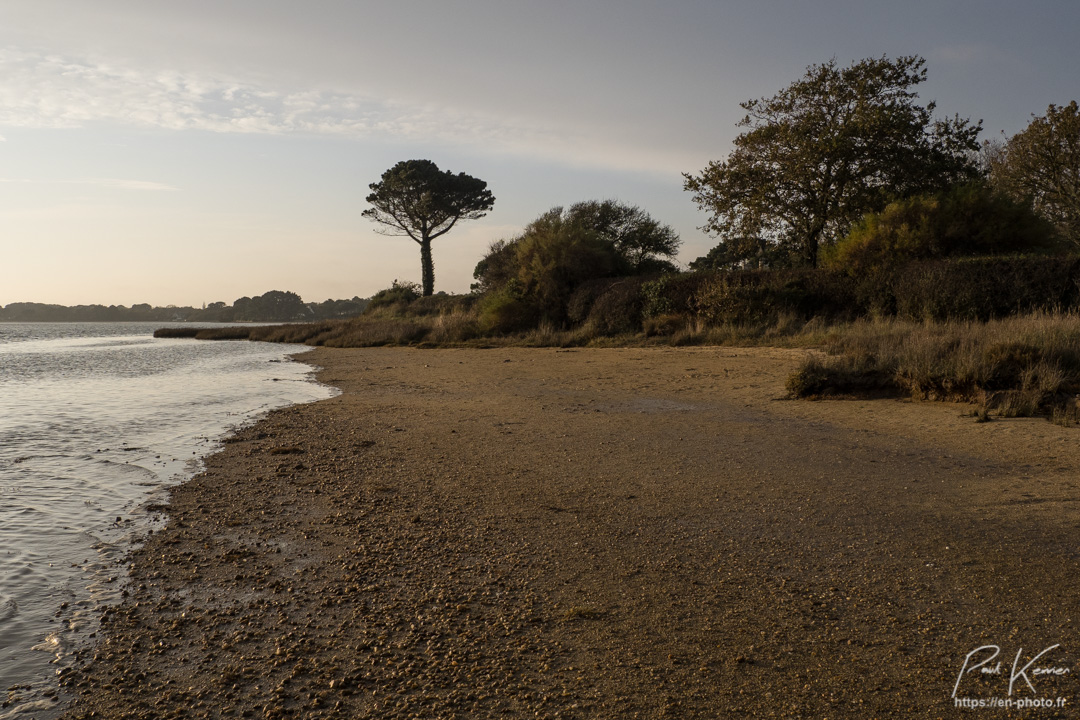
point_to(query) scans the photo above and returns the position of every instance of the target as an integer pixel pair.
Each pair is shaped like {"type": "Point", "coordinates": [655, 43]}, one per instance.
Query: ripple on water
{"type": "Point", "coordinates": [93, 429]}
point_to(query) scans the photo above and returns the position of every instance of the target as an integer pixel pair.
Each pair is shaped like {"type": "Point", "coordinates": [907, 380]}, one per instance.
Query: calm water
{"type": "Point", "coordinates": [96, 420]}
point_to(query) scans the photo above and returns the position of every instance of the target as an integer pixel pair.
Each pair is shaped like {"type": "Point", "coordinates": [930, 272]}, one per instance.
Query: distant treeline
{"type": "Point", "coordinates": [274, 306]}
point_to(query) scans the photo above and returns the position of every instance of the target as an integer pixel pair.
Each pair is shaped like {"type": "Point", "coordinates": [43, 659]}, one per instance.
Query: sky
{"type": "Point", "coordinates": [191, 152]}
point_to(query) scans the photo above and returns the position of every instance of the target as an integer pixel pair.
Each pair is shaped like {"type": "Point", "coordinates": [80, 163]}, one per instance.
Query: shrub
{"type": "Point", "coordinates": [674, 294]}
{"type": "Point", "coordinates": [981, 288]}
{"type": "Point", "coordinates": [549, 261]}
{"type": "Point", "coordinates": [399, 293]}
{"type": "Point", "coordinates": [507, 310]}
{"type": "Point", "coordinates": [618, 309]}
{"type": "Point", "coordinates": [497, 267]}
{"type": "Point", "coordinates": [1021, 365]}
{"type": "Point", "coordinates": [665, 325]}
{"type": "Point", "coordinates": [455, 327]}
{"type": "Point", "coordinates": [440, 304]}
{"type": "Point", "coordinates": [967, 220]}
{"type": "Point", "coordinates": [565, 250]}
{"type": "Point", "coordinates": [766, 296]}
{"type": "Point", "coordinates": [812, 379]}
{"type": "Point", "coordinates": [641, 244]}
{"type": "Point", "coordinates": [584, 296]}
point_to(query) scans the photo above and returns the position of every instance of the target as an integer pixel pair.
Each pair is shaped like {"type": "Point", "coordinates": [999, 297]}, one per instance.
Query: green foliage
{"type": "Point", "coordinates": [672, 294]}
{"type": "Point", "coordinates": [415, 199]}
{"type": "Point", "coordinates": [979, 288]}
{"type": "Point", "coordinates": [812, 379]}
{"type": "Point", "coordinates": [554, 256]}
{"type": "Point", "coordinates": [617, 309]}
{"type": "Point", "coordinates": [538, 273]}
{"type": "Point", "coordinates": [829, 148]}
{"type": "Point", "coordinates": [441, 304]}
{"type": "Point", "coordinates": [968, 288]}
{"type": "Point", "coordinates": [969, 219]}
{"type": "Point", "coordinates": [757, 297]}
{"type": "Point", "coordinates": [1041, 165]}
{"type": "Point", "coordinates": [507, 310]}
{"type": "Point", "coordinates": [642, 244]}
{"type": "Point", "coordinates": [399, 293]}
{"type": "Point", "coordinates": [497, 267]}
{"type": "Point", "coordinates": [902, 232]}
{"type": "Point", "coordinates": [585, 296]}
{"type": "Point", "coordinates": [736, 253]}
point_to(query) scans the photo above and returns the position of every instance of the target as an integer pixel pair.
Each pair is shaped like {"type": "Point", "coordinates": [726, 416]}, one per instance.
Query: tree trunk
{"type": "Point", "coordinates": [427, 266]}
{"type": "Point", "coordinates": [812, 242]}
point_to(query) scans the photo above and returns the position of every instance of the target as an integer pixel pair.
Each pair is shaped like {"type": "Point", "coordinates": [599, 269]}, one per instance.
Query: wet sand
{"type": "Point", "coordinates": [624, 533]}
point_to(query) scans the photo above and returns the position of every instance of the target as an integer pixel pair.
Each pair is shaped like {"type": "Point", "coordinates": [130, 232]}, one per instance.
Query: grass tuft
{"type": "Point", "coordinates": [1017, 367]}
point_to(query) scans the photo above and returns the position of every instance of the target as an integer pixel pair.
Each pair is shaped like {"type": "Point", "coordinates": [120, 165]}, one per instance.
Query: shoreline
{"type": "Point", "coordinates": [98, 420]}
{"type": "Point", "coordinates": [593, 533]}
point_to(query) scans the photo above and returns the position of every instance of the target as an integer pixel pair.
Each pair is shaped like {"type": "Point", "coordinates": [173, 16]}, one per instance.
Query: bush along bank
{"type": "Point", "coordinates": [1011, 367]}
{"type": "Point", "coordinates": [860, 318]}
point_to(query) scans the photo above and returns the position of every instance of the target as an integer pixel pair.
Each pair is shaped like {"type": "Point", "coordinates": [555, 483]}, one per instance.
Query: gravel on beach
{"type": "Point", "coordinates": [599, 533]}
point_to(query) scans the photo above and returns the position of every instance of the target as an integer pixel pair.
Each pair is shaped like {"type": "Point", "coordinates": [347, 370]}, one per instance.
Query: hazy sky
{"type": "Point", "coordinates": [188, 152]}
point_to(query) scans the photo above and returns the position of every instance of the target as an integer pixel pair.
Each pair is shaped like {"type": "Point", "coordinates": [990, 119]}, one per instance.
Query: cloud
{"type": "Point", "coordinates": [45, 90]}
{"type": "Point", "coordinates": [139, 185]}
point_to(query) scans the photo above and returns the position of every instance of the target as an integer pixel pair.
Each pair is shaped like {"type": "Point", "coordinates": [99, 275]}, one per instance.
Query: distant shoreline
{"type": "Point", "coordinates": [272, 306]}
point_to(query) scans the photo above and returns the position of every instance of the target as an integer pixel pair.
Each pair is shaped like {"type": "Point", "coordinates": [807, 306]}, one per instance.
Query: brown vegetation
{"type": "Point", "coordinates": [1018, 366]}
{"type": "Point", "coordinates": [1000, 331]}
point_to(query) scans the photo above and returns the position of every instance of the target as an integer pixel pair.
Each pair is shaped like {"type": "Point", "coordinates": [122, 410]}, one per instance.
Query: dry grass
{"type": "Point", "coordinates": [786, 331]}
{"type": "Point", "coordinates": [1019, 366]}
{"type": "Point", "coordinates": [460, 327]}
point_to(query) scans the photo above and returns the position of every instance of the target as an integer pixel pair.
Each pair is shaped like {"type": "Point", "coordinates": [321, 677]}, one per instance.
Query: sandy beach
{"type": "Point", "coordinates": [601, 533]}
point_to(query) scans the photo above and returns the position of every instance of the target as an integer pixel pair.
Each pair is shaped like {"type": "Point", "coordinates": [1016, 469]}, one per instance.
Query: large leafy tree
{"type": "Point", "coordinates": [1041, 164]}
{"type": "Point", "coordinates": [630, 241]}
{"type": "Point", "coordinates": [832, 146]}
{"type": "Point", "coordinates": [641, 243]}
{"type": "Point", "coordinates": [416, 199]}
